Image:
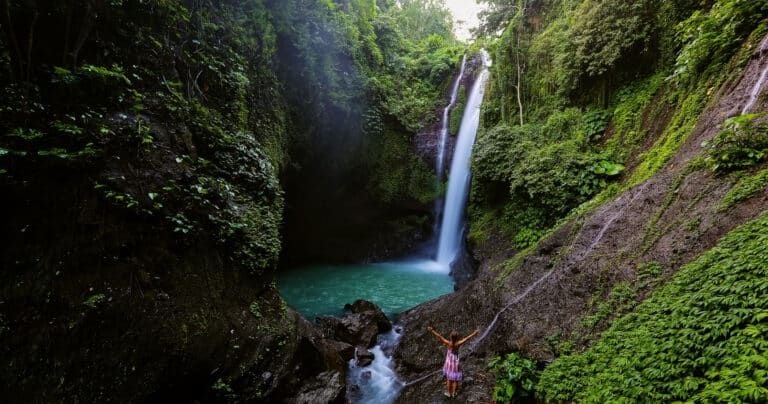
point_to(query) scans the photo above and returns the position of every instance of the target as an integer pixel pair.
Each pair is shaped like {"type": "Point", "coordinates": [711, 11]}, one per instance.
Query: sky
{"type": "Point", "coordinates": [464, 10]}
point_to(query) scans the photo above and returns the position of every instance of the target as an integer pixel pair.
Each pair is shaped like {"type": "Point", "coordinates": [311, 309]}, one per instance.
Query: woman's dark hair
{"type": "Point", "coordinates": [454, 337]}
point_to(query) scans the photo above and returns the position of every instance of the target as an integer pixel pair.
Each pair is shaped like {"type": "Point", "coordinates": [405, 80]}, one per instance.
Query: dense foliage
{"type": "Point", "coordinates": [700, 338]}
{"type": "Point", "coordinates": [174, 90]}
{"type": "Point", "coordinates": [515, 376]}
{"type": "Point", "coordinates": [317, 92]}
{"type": "Point", "coordinates": [579, 88]}
{"type": "Point", "coordinates": [742, 144]}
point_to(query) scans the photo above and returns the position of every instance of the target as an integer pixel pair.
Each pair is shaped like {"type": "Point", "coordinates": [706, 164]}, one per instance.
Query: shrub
{"type": "Point", "coordinates": [742, 143]}
{"type": "Point", "coordinates": [515, 375]}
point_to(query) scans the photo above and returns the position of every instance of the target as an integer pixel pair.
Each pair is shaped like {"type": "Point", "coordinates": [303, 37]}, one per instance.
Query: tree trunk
{"type": "Point", "coordinates": [11, 34]}
{"type": "Point", "coordinates": [31, 43]}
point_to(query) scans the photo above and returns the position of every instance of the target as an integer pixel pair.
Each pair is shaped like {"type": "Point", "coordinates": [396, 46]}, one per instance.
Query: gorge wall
{"type": "Point", "coordinates": [158, 157]}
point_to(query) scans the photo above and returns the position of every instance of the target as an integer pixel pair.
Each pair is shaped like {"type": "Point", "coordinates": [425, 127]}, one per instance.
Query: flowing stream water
{"type": "Point", "coordinates": [397, 286]}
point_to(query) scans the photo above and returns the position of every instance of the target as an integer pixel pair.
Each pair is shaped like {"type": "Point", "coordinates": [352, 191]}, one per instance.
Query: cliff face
{"type": "Point", "coordinates": [544, 295]}
{"type": "Point", "coordinates": [139, 169]}
{"type": "Point", "coordinates": [157, 157]}
{"type": "Point", "coordinates": [427, 139]}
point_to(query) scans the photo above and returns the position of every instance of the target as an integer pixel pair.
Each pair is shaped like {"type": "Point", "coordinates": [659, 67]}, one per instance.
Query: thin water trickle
{"type": "Point", "coordinates": [474, 344]}
{"type": "Point", "coordinates": [755, 92]}
{"type": "Point", "coordinates": [758, 87]}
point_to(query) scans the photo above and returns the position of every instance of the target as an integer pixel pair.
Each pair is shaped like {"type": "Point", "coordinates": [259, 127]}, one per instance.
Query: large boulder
{"type": "Point", "coordinates": [360, 327]}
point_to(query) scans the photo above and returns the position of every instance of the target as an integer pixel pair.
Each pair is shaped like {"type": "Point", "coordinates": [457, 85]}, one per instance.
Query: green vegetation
{"type": "Point", "coordinates": [95, 300]}
{"type": "Point", "coordinates": [515, 376]}
{"type": "Point", "coordinates": [457, 113]}
{"type": "Point", "coordinates": [583, 89]}
{"type": "Point", "coordinates": [746, 188]}
{"type": "Point", "coordinates": [701, 338]}
{"type": "Point", "coordinates": [742, 144]}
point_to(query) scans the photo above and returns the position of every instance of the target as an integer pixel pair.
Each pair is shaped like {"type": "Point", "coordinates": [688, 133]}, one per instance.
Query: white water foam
{"type": "Point", "coordinates": [378, 383]}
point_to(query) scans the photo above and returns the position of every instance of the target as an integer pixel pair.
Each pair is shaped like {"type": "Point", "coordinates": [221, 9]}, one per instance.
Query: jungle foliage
{"type": "Point", "coordinates": [700, 338]}
{"type": "Point", "coordinates": [581, 87]}
{"type": "Point", "coordinates": [589, 98]}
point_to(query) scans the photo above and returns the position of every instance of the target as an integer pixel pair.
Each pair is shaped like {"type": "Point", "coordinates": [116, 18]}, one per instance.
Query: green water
{"type": "Point", "coordinates": [395, 287]}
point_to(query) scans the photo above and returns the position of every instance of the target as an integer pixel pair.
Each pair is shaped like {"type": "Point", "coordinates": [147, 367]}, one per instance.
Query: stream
{"type": "Point", "coordinates": [401, 285]}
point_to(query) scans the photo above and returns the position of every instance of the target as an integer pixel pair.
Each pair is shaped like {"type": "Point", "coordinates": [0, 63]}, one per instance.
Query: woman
{"type": "Point", "coordinates": [451, 368]}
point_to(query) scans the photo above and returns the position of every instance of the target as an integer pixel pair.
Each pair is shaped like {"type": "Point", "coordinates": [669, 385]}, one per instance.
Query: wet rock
{"type": "Point", "coordinates": [327, 387]}
{"type": "Point", "coordinates": [336, 354]}
{"type": "Point", "coordinates": [364, 307]}
{"type": "Point", "coordinates": [364, 357]}
{"type": "Point", "coordinates": [360, 328]}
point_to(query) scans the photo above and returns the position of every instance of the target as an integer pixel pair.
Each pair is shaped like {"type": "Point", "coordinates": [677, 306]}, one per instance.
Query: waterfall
{"type": "Point", "coordinates": [440, 158]}
{"type": "Point", "coordinates": [458, 178]}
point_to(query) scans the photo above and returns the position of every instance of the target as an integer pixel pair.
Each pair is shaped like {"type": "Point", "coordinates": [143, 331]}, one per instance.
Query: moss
{"type": "Point", "coordinates": [632, 105]}
{"type": "Point", "coordinates": [94, 300]}
{"type": "Point", "coordinates": [678, 131]}
{"type": "Point", "coordinates": [652, 231]}
{"type": "Point", "coordinates": [746, 188]}
{"type": "Point", "coordinates": [457, 113]}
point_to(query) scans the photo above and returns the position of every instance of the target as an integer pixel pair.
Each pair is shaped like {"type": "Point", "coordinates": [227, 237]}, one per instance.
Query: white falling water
{"type": "Point", "coordinates": [440, 159]}
{"type": "Point", "coordinates": [458, 182]}
{"type": "Point", "coordinates": [378, 383]}
{"type": "Point", "coordinates": [753, 95]}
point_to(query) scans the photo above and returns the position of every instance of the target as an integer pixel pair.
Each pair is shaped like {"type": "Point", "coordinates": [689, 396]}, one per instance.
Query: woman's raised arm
{"type": "Point", "coordinates": [468, 337]}
{"type": "Point", "coordinates": [440, 337]}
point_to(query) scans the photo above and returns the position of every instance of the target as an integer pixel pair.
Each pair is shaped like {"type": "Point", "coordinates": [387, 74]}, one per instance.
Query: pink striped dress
{"type": "Point", "coordinates": [451, 367]}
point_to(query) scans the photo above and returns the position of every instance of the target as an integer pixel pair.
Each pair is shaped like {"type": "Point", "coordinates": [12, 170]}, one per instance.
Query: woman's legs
{"type": "Point", "coordinates": [448, 387]}
{"type": "Point", "coordinates": [454, 388]}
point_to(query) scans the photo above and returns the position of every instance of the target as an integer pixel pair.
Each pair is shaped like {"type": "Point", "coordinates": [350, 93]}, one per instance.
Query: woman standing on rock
{"type": "Point", "coordinates": [451, 368]}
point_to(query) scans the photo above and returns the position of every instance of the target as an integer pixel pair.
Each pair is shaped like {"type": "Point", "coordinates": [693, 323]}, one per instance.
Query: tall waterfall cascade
{"type": "Point", "coordinates": [443, 141]}
{"type": "Point", "coordinates": [458, 179]}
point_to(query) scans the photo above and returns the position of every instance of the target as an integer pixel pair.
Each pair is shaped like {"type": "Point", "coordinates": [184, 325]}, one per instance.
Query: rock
{"type": "Point", "coordinates": [336, 354]}
{"type": "Point", "coordinates": [370, 309]}
{"type": "Point", "coordinates": [364, 357]}
{"type": "Point", "coordinates": [360, 306]}
{"type": "Point", "coordinates": [327, 387]}
{"type": "Point", "coordinates": [360, 328]}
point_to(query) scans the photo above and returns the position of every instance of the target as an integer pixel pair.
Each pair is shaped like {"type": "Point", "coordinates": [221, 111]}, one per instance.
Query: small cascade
{"type": "Point", "coordinates": [757, 88]}
{"type": "Point", "coordinates": [458, 181]}
{"type": "Point", "coordinates": [441, 145]}
{"type": "Point", "coordinates": [377, 383]}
